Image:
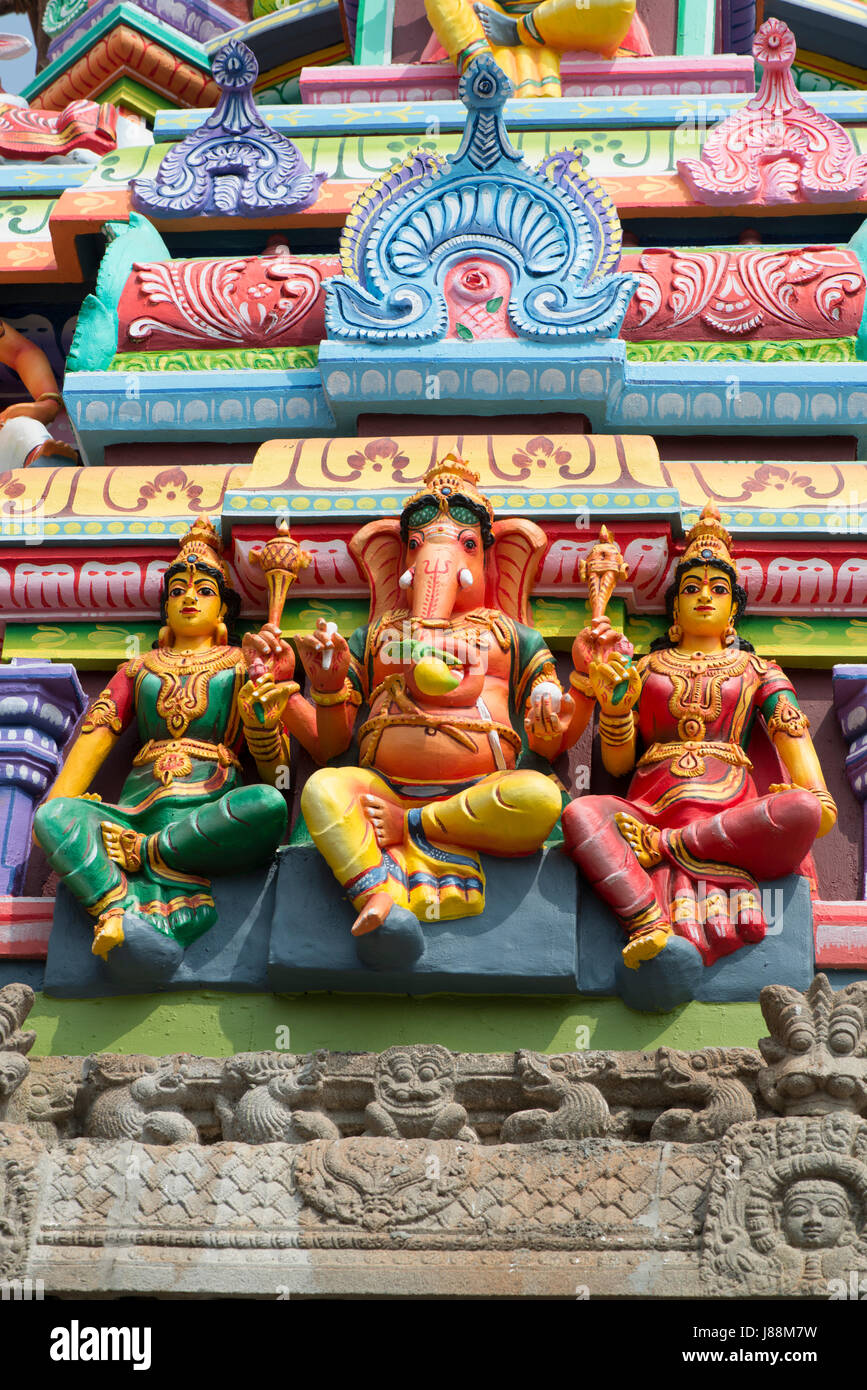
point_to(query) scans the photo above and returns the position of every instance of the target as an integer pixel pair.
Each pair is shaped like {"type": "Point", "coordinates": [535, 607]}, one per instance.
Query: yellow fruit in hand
{"type": "Point", "coordinates": [433, 676]}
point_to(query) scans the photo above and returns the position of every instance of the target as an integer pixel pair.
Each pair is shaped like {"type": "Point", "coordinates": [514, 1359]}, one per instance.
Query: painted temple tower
{"type": "Point", "coordinates": [433, 686]}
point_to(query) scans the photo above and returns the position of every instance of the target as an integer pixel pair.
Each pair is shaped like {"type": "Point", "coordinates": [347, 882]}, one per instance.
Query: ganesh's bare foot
{"type": "Point", "coordinates": [108, 933]}
{"type": "Point", "coordinates": [645, 945]}
{"type": "Point", "coordinates": [386, 818]}
{"type": "Point", "coordinates": [373, 914]}
{"type": "Point", "coordinates": [642, 839]}
{"type": "Point", "coordinates": [499, 28]}
{"type": "Point", "coordinates": [122, 845]}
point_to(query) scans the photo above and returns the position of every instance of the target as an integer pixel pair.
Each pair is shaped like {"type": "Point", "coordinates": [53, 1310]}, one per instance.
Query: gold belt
{"type": "Point", "coordinates": [172, 757]}
{"type": "Point", "coordinates": [687, 759]}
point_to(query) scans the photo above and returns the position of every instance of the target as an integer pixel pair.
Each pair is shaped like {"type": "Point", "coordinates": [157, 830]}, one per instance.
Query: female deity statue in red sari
{"type": "Point", "coordinates": [682, 851]}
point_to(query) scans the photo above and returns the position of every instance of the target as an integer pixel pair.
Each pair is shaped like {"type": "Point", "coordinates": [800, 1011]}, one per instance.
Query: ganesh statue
{"type": "Point", "coordinates": [456, 682]}
{"type": "Point", "coordinates": [527, 40]}
{"type": "Point", "coordinates": [183, 814]}
{"type": "Point", "coordinates": [680, 853]}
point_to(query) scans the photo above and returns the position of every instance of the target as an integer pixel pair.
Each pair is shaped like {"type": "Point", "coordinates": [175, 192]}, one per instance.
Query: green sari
{"type": "Point", "coordinates": [184, 794]}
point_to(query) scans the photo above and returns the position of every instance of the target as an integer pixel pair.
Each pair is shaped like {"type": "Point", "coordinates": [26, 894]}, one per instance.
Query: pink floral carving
{"type": "Point", "coordinates": [170, 485]}
{"type": "Point", "coordinates": [477, 295]}
{"type": "Point", "coordinates": [811, 291]}
{"type": "Point", "coordinates": [257, 301]}
{"type": "Point", "coordinates": [778, 148]}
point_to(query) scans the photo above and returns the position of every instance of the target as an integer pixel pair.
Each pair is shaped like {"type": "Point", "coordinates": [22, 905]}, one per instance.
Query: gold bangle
{"type": "Point", "coordinates": [50, 396]}
{"type": "Point", "coordinates": [581, 683]}
{"type": "Point", "coordinates": [616, 729]}
{"type": "Point", "coordinates": [336, 697]}
{"type": "Point", "coordinates": [265, 745]}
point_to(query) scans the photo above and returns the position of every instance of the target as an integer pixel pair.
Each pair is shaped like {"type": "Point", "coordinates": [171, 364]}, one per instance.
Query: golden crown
{"type": "Point", "coordinates": [709, 540]}
{"type": "Point", "coordinates": [444, 479]}
{"type": "Point", "coordinates": [203, 543]}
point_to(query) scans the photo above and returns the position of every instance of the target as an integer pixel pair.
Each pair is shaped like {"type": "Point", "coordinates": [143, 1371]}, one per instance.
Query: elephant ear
{"type": "Point", "coordinates": [378, 549]}
{"type": "Point", "coordinates": [517, 554]}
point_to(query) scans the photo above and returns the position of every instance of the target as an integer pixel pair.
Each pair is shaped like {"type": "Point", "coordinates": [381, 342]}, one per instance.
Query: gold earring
{"type": "Point", "coordinates": [675, 632]}
{"type": "Point", "coordinates": [730, 636]}
{"type": "Point", "coordinates": [165, 638]}
{"type": "Point", "coordinates": [221, 635]}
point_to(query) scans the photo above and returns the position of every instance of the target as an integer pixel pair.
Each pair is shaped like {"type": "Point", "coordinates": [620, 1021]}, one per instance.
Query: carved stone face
{"type": "Point", "coordinates": [816, 1214]}
{"type": "Point", "coordinates": [415, 1078]}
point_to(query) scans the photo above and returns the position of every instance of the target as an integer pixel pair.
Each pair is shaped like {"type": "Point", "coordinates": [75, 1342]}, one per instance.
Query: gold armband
{"type": "Point", "coordinates": [102, 715]}
{"type": "Point", "coordinates": [336, 697]}
{"type": "Point", "coordinates": [50, 396]}
{"type": "Point", "coordinates": [581, 683]}
{"type": "Point", "coordinates": [616, 729]}
{"type": "Point", "coordinates": [787, 719]}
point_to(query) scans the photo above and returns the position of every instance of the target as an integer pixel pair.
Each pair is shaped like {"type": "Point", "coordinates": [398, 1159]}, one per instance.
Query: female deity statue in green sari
{"type": "Point", "coordinates": [183, 813]}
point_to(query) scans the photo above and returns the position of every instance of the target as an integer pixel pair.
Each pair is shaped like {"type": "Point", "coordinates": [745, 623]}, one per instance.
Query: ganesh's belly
{"type": "Point", "coordinates": [412, 754]}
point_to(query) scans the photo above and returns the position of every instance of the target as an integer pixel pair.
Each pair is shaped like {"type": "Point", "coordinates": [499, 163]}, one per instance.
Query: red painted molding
{"type": "Point", "coordinates": [841, 935]}
{"type": "Point", "coordinates": [25, 926]}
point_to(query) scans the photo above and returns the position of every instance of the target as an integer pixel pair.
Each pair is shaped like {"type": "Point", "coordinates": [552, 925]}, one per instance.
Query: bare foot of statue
{"type": "Point", "coordinates": [373, 914]}
{"type": "Point", "coordinates": [122, 845]}
{"type": "Point", "coordinates": [499, 28]}
{"type": "Point", "coordinates": [108, 933]}
{"type": "Point", "coordinates": [386, 818]}
{"type": "Point", "coordinates": [645, 946]}
{"type": "Point", "coordinates": [642, 839]}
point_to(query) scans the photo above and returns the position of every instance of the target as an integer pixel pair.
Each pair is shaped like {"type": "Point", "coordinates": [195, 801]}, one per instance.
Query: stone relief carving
{"type": "Point", "coordinates": [577, 1109]}
{"type": "Point", "coordinates": [415, 1096]}
{"type": "Point", "coordinates": [710, 1080]}
{"type": "Point", "coordinates": [271, 1097]}
{"type": "Point", "coordinates": [816, 1056]}
{"type": "Point", "coordinates": [16, 1001]}
{"type": "Point", "coordinates": [787, 1207]}
{"type": "Point", "coordinates": [167, 1100]}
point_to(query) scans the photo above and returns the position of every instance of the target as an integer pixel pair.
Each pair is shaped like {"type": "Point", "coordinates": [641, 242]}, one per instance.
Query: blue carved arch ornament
{"type": "Point", "coordinates": [553, 227]}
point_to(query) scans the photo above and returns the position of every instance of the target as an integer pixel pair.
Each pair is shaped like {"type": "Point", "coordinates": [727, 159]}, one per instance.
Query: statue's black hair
{"type": "Point", "coordinates": [230, 598]}
{"type": "Point", "coordinates": [739, 594]}
{"type": "Point", "coordinates": [480, 512]}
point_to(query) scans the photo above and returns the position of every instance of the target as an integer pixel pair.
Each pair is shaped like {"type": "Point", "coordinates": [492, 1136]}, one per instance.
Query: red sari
{"type": "Point", "coordinates": [694, 718]}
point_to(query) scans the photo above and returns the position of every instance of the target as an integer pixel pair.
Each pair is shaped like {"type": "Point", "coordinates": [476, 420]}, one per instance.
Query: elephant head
{"type": "Point", "coordinates": [446, 555]}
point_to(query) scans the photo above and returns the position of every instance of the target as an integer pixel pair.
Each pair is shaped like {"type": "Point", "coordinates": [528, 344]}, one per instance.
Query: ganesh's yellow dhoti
{"type": "Point", "coordinates": [533, 68]}
{"type": "Point", "coordinates": [435, 871]}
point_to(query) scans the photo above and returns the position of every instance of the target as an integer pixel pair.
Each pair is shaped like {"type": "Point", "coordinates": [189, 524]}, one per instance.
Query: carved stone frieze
{"type": "Point", "coordinates": [16, 1001]}
{"type": "Point", "coordinates": [711, 1081]}
{"type": "Point", "coordinates": [816, 1057]}
{"type": "Point", "coordinates": [787, 1207]}
{"type": "Point", "coordinates": [574, 1106]}
{"type": "Point", "coordinates": [415, 1090]}
{"type": "Point", "coordinates": [271, 1097]}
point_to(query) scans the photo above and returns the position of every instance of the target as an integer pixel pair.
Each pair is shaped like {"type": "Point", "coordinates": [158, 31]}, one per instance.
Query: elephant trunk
{"type": "Point", "coordinates": [436, 581]}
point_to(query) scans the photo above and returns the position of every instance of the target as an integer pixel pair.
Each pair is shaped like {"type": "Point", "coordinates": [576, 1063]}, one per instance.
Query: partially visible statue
{"type": "Point", "coordinates": [682, 851]}
{"type": "Point", "coordinates": [23, 433]}
{"type": "Point", "coordinates": [567, 1087]}
{"type": "Point", "coordinates": [526, 39]}
{"type": "Point", "coordinates": [183, 813]}
{"type": "Point", "coordinates": [455, 679]}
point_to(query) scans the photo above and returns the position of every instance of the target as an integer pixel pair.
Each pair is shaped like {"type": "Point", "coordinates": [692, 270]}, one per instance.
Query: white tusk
{"type": "Point", "coordinates": [406, 579]}
{"type": "Point", "coordinates": [465, 579]}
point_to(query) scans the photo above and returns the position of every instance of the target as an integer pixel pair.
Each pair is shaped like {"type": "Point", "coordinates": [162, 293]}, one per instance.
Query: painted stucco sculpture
{"type": "Point", "coordinates": [850, 702]}
{"type": "Point", "coordinates": [526, 40]}
{"type": "Point", "coordinates": [537, 248]}
{"type": "Point", "coordinates": [451, 671]}
{"type": "Point", "coordinates": [234, 162]}
{"type": "Point", "coordinates": [680, 854]}
{"type": "Point", "coordinates": [778, 149]}
{"type": "Point", "coordinates": [183, 814]}
{"type": "Point", "coordinates": [23, 433]}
